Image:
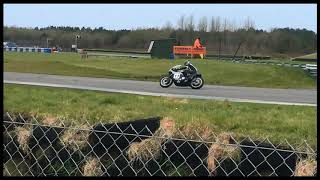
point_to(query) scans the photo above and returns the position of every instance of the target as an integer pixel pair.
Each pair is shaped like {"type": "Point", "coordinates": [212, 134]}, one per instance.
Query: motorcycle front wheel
{"type": "Point", "coordinates": [197, 83]}
{"type": "Point", "coordinates": [165, 81]}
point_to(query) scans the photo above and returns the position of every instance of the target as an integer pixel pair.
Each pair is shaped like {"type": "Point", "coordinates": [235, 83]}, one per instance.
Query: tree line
{"type": "Point", "coordinates": [219, 35]}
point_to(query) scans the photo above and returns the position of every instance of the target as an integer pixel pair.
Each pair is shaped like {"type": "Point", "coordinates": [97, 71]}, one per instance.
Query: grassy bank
{"type": "Point", "coordinates": [214, 72]}
{"type": "Point", "coordinates": [277, 122]}
{"type": "Point", "coordinates": [309, 56]}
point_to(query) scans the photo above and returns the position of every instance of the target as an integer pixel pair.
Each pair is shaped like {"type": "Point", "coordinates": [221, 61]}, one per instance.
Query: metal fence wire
{"type": "Point", "coordinates": [146, 147]}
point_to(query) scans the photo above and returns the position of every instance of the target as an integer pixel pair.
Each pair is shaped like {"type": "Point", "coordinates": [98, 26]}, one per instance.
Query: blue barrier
{"type": "Point", "coordinates": [27, 49]}
{"type": "Point", "coordinates": [47, 50]}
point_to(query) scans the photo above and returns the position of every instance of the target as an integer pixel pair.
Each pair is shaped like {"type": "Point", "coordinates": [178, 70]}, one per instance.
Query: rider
{"type": "Point", "coordinates": [190, 69]}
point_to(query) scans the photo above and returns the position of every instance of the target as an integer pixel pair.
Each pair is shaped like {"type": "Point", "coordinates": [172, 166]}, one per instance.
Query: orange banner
{"type": "Point", "coordinates": [189, 50]}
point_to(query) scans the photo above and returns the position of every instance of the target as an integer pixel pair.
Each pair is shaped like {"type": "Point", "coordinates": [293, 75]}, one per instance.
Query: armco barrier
{"type": "Point", "coordinates": [27, 49]}
{"type": "Point", "coordinates": [311, 69]}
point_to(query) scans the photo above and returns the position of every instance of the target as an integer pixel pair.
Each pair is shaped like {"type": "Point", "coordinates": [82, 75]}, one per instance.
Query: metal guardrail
{"type": "Point", "coordinates": [115, 51]}
{"type": "Point", "coordinates": [48, 146]}
{"type": "Point", "coordinates": [116, 55]}
{"type": "Point", "coordinates": [230, 57]}
{"type": "Point", "coordinates": [311, 69]}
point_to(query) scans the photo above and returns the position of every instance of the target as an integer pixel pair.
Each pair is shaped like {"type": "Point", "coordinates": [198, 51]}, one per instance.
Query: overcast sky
{"type": "Point", "coordinates": [131, 16]}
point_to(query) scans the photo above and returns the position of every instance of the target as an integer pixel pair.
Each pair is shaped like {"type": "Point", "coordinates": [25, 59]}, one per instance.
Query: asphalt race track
{"type": "Point", "coordinates": [231, 93]}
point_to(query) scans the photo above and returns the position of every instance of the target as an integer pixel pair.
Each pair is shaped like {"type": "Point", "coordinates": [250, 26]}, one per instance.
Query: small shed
{"type": "Point", "coordinates": [162, 48]}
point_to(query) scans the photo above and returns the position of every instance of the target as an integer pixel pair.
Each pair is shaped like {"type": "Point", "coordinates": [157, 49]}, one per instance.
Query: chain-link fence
{"type": "Point", "coordinates": [146, 147]}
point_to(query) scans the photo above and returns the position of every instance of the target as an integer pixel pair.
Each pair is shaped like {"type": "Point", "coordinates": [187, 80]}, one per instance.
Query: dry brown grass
{"type": "Point", "coordinates": [117, 117]}
{"type": "Point", "coordinates": [184, 101]}
{"type": "Point", "coordinates": [222, 149]}
{"type": "Point", "coordinates": [211, 161]}
{"type": "Point", "coordinates": [151, 147]}
{"type": "Point", "coordinates": [23, 135]}
{"type": "Point", "coordinates": [167, 127]}
{"type": "Point", "coordinates": [92, 167]}
{"type": "Point", "coordinates": [50, 120]}
{"type": "Point", "coordinates": [76, 139]}
{"type": "Point", "coordinates": [195, 132]}
{"type": "Point", "coordinates": [144, 150]}
{"type": "Point", "coordinates": [177, 100]}
{"type": "Point", "coordinates": [224, 138]}
{"type": "Point", "coordinates": [229, 150]}
{"type": "Point", "coordinates": [306, 167]}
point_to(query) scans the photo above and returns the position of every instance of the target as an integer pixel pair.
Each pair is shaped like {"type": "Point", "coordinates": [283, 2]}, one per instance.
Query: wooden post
{"type": "Point", "coordinates": [236, 51]}
{"type": "Point", "coordinates": [219, 48]}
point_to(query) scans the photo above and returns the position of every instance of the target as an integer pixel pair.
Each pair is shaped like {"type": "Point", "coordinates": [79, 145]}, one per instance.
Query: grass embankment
{"type": "Point", "coordinates": [277, 122]}
{"type": "Point", "coordinates": [214, 72]}
{"type": "Point", "coordinates": [309, 58]}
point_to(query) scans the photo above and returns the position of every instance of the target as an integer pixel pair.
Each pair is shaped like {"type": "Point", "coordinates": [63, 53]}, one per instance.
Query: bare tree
{"type": "Point", "coordinates": [203, 24]}
{"type": "Point", "coordinates": [224, 30]}
{"type": "Point", "coordinates": [189, 25]}
{"type": "Point", "coordinates": [225, 25]}
{"type": "Point", "coordinates": [212, 27]}
{"type": "Point", "coordinates": [218, 24]}
{"type": "Point", "coordinates": [181, 23]}
{"type": "Point", "coordinates": [248, 23]}
{"type": "Point", "coordinates": [233, 26]}
{"type": "Point", "coordinates": [168, 26]}
{"type": "Point", "coordinates": [215, 24]}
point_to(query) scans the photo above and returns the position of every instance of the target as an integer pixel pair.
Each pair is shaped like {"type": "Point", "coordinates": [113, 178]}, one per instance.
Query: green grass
{"type": "Point", "coordinates": [309, 56]}
{"type": "Point", "coordinates": [214, 72]}
{"type": "Point", "coordinates": [277, 122]}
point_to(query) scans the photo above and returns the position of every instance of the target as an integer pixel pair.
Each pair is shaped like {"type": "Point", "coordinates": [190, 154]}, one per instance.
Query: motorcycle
{"type": "Point", "coordinates": [180, 75]}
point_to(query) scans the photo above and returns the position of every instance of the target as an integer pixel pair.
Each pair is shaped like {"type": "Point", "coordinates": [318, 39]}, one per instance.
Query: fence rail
{"type": "Point", "coordinates": [117, 51]}
{"type": "Point", "coordinates": [311, 69]}
{"type": "Point", "coordinates": [47, 146]}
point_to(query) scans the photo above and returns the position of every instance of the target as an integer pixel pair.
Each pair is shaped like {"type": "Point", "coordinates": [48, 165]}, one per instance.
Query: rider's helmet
{"type": "Point", "coordinates": [187, 62]}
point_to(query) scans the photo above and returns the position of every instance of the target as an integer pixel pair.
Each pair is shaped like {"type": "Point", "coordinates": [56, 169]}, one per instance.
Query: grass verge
{"type": "Point", "coordinates": [276, 122]}
{"type": "Point", "coordinates": [214, 72]}
{"type": "Point", "coordinates": [309, 56]}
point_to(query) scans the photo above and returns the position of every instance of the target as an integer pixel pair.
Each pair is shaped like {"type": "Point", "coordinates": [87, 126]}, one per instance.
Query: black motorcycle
{"type": "Point", "coordinates": [186, 75]}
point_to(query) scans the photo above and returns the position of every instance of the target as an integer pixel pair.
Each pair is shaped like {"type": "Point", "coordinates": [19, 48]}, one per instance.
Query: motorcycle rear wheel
{"type": "Point", "coordinates": [197, 83]}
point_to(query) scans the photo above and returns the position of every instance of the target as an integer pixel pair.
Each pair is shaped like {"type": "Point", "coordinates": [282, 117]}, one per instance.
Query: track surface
{"type": "Point", "coordinates": [231, 93]}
